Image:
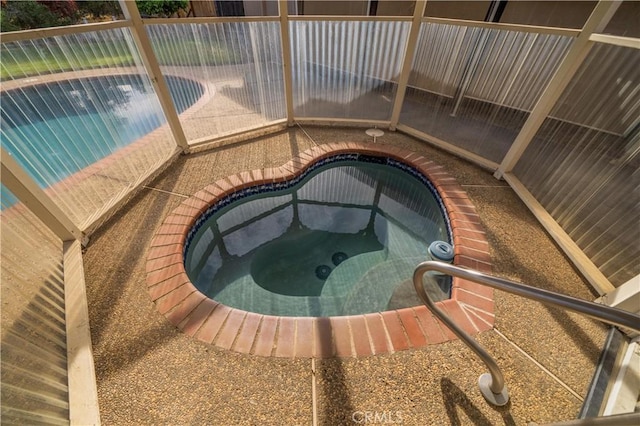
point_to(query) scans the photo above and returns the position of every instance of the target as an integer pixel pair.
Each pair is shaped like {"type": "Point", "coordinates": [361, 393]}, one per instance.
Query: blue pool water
{"type": "Point", "coordinates": [342, 239]}
{"type": "Point", "coordinates": [56, 129]}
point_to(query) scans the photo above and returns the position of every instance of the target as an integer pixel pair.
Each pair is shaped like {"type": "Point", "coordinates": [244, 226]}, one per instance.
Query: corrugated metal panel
{"type": "Point", "coordinates": [239, 66]}
{"type": "Point", "coordinates": [81, 116]}
{"type": "Point", "coordinates": [505, 67]}
{"type": "Point", "coordinates": [34, 356]}
{"type": "Point", "coordinates": [441, 55]}
{"type": "Point", "coordinates": [474, 87]}
{"type": "Point", "coordinates": [513, 68]}
{"type": "Point", "coordinates": [586, 178]}
{"type": "Point", "coordinates": [604, 92]}
{"type": "Point", "coordinates": [346, 69]}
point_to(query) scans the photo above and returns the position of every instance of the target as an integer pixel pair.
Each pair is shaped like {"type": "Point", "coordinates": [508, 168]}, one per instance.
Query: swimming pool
{"type": "Point", "coordinates": [56, 129]}
{"type": "Point", "coordinates": [390, 329]}
{"type": "Point", "coordinates": [341, 238]}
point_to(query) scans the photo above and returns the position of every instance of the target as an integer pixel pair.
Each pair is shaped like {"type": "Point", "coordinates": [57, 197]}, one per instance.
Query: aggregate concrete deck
{"type": "Point", "coordinates": [148, 372]}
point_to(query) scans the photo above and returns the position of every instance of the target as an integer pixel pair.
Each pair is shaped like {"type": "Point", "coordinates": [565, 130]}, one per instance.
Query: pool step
{"type": "Point", "coordinates": [245, 294]}
{"type": "Point", "coordinates": [373, 291]}
{"type": "Point", "coordinates": [346, 274]}
{"type": "Point", "coordinates": [374, 286]}
{"type": "Point", "coordinates": [349, 273]}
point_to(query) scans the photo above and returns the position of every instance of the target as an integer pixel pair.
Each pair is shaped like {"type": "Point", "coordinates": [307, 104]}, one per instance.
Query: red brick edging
{"type": "Point", "coordinates": [471, 305]}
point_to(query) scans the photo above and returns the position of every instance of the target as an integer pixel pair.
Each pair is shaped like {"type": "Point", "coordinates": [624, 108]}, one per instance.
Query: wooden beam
{"type": "Point", "coordinates": [16, 179]}
{"type": "Point", "coordinates": [631, 42]}
{"type": "Point", "coordinates": [449, 147]}
{"type": "Point", "coordinates": [83, 392]}
{"type": "Point", "coordinates": [571, 32]}
{"type": "Point", "coordinates": [61, 31]}
{"type": "Point", "coordinates": [208, 20]}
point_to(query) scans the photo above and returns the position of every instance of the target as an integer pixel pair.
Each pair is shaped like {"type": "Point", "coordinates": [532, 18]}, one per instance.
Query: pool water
{"type": "Point", "coordinates": [280, 266]}
{"type": "Point", "coordinates": [343, 239]}
{"type": "Point", "coordinates": [56, 129]}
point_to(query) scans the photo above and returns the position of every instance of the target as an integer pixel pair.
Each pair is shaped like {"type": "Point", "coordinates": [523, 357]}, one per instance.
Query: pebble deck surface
{"type": "Point", "coordinates": [149, 371]}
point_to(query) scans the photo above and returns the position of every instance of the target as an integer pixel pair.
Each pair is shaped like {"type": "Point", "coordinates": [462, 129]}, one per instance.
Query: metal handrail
{"type": "Point", "coordinates": [492, 384]}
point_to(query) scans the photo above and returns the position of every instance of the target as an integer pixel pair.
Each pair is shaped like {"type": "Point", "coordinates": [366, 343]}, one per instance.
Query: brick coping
{"type": "Point", "coordinates": [471, 305]}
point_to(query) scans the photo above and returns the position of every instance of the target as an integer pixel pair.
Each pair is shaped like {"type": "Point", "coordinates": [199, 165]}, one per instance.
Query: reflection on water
{"type": "Point", "coordinates": [55, 129]}
{"type": "Point", "coordinates": [344, 240]}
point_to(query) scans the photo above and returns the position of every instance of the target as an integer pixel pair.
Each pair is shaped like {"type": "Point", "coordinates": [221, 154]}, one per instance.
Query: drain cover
{"type": "Point", "coordinates": [323, 272]}
{"type": "Point", "coordinates": [338, 258]}
{"type": "Point", "coordinates": [376, 133]}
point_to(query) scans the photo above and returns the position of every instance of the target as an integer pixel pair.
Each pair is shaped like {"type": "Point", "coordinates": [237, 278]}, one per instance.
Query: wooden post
{"type": "Point", "coordinates": [286, 58]}
{"type": "Point", "coordinates": [150, 61]}
{"type": "Point", "coordinates": [409, 54]}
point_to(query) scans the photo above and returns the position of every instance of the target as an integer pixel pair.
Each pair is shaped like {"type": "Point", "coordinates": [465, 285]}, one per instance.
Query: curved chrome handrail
{"type": "Point", "coordinates": [492, 385]}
